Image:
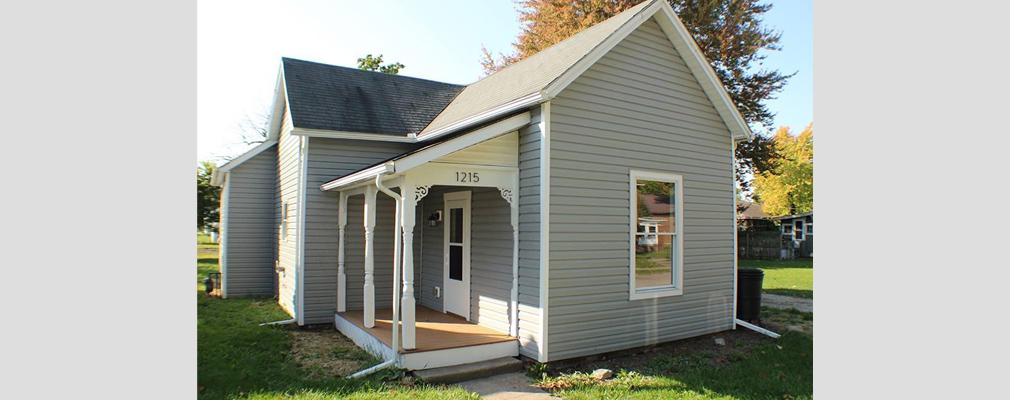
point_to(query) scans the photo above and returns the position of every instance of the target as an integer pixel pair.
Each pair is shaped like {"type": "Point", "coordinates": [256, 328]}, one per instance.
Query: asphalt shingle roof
{"type": "Point", "coordinates": [532, 74]}
{"type": "Point", "coordinates": [337, 98]}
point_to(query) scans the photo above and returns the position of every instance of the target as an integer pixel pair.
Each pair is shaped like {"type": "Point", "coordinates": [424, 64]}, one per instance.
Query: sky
{"type": "Point", "coordinates": [240, 44]}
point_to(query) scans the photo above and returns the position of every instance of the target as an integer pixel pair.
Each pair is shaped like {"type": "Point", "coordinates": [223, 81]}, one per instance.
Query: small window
{"type": "Point", "coordinates": [284, 221]}
{"type": "Point", "coordinates": [787, 229]}
{"type": "Point", "coordinates": [810, 229]}
{"type": "Point", "coordinates": [798, 229]}
{"type": "Point", "coordinates": [657, 209]}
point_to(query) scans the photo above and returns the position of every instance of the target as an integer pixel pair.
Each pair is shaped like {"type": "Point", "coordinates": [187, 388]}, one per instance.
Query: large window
{"type": "Point", "coordinates": [657, 241]}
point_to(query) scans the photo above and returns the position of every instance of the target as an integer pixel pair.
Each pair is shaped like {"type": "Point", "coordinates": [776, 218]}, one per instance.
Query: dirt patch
{"type": "Point", "coordinates": [702, 349]}
{"type": "Point", "coordinates": [325, 352]}
{"type": "Point", "coordinates": [782, 321]}
{"type": "Point", "coordinates": [206, 252]}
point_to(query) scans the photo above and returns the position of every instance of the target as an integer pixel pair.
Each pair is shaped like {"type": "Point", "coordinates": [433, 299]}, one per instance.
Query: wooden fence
{"type": "Point", "coordinates": [759, 244]}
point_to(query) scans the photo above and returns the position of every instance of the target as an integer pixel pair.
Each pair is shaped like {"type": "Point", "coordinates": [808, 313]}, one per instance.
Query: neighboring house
{"type": "Point", "coordinates": [750, 216]}
{"type": "Point", "coordinates": [511, 201]}
{"type": "Point", "coordinates": [798, 229]}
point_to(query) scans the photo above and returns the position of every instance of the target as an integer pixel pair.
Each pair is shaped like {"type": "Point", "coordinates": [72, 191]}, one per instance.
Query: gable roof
{"type": "Point", "coordinates": [750, 210]}
{"type": "Point", "coordinates": [542, 76]}
{"type": "Point", "coordinates": [334, 98]}
{"type": "Point", "coordinates": [531, 75]}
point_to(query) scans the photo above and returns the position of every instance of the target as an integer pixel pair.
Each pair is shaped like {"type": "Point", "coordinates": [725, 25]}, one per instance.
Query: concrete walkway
{"type": "Point", "coordinates": [510, 386]}
{"type": "Point", "coordinates": [783, 302]}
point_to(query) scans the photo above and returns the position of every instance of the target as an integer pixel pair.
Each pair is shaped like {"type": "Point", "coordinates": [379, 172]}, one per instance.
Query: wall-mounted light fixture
{"type": "Point", "coordinates": [435, 218]}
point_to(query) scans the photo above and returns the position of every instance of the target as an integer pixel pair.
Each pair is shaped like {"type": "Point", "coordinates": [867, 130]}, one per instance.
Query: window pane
{"type": "Point", "coordinates": [810, 228]}
{"type": "Point", "coordinates": [456, 262]}
{"type": "Point", "coordinates": [656, 206]}
{"type": "Point", "coordinates": [456, 230]}
{"type": "Point", "coordinates": [654, 263]}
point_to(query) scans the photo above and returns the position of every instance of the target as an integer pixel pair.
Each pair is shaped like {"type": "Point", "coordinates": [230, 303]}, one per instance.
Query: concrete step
{"type": "Point", "coordinates": [465, 372]}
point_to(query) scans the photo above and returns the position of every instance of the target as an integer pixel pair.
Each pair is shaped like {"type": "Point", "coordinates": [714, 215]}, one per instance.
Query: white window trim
{"type": "Point", "coordinates": [677, 288]}
{"type": "Point", "coordinates": [802, 231]}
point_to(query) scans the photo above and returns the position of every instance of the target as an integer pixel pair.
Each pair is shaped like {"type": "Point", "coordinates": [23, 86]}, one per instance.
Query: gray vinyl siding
{"type": "Point", "coordinates": [432, 249]}
{"type": "Point", "coordinates": [529, 237]}
{"type": "Point", "coordinates": [329, 159]}
{"type": "Point", "coordinates": [640, 108]}
{"type": "Point", "coordinates": [250, 258]}
{"type": "Point", "coordinates": [490, 255]}
{"type": "Point", "coordinates": [287, 192]}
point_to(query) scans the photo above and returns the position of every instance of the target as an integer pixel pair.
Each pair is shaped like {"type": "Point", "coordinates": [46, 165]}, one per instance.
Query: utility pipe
{"type": "Point", "coordinates": [284, 322]}
{"type": "Point", "coordinates": [757, 329]}
{"type": "Point", "coordinates": [397, 248]}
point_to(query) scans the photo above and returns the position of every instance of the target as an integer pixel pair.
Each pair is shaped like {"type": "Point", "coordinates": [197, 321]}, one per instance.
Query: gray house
{"type": "Point", "coordinates": [798, 229]}
{"type": "Point", "coordinates": [498, 218]}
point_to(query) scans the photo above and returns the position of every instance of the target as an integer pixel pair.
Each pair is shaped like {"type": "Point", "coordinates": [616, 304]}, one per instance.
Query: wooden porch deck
{"type": "Point", "coordinates": [435, 330]}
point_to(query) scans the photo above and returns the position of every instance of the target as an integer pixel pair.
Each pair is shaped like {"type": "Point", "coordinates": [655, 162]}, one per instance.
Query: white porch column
{"type": "Point", "coordinates": [509, 195]}
{"type": "Point", "coordinates": [407, 218]}
{"type": "Point", "coordinates": [341, 274]}
{"type": "Point", "coordinates": [369, 222]}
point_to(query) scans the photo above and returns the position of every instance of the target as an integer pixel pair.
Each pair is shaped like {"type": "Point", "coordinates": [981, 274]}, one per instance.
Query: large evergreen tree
{"type": "Point", "coordinates": [729, 33]}
{"type": "Point", "coordinates": [208, 196]}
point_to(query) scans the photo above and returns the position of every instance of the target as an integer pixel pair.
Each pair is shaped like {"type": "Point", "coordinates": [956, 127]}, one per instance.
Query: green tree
{"type": "Point", "coordinates": [788, 188]}
{"type": "Point", "coordinates": [370, 63]}
{"type": "Point", "coordinates": [208, 196]}
{"type": "Point", "coordinates": [729, 33]}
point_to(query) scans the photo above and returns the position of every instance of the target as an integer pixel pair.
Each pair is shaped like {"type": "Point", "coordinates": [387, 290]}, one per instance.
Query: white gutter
{"type": "Point", "coordinates": [757, 329]}
{"type": "Point", "coordinates": [476, 119]}
{"type": "Point", "coordinates": [397, 270]}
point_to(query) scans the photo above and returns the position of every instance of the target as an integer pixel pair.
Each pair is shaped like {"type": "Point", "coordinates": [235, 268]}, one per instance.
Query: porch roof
{"type": "Point", "coordinates": [422, 155]}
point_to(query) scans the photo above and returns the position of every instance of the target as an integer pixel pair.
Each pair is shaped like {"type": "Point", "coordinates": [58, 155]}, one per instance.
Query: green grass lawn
{"type": "Point", "coordinates": [786, 277]}
{"type": "Point", "coordinates": [779, 370]}
{"type": "Point", "coordinates": [238, 359]}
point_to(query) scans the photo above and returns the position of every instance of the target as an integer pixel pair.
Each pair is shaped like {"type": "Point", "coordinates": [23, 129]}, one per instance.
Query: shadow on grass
{"type": "Point", "coordinates": [806, 294]}
{"type": "Point", "coordinates": [237, 358]}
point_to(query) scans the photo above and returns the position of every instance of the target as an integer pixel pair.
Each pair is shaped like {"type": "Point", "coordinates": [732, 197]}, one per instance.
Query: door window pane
{"type": "Point", "coordinates": [456, 263]}
{"type": "Point", "coordinates": [456, 230]}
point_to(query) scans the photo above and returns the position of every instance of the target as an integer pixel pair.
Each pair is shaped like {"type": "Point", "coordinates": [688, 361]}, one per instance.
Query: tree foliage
{"type": "Point", "coordinates": [208, 196]}
{"type": "Point", "coordinates": [370, 63]}
{"type": "Point", "coordinates": [728, 32]}
{"type": "Point", "coordinates": [788, 188]}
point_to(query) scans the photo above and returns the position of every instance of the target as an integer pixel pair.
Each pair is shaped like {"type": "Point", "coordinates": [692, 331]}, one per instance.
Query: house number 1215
{"type": "Point", "coordinates": [467, 177]}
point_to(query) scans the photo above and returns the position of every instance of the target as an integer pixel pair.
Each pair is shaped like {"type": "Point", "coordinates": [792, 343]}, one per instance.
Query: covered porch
{"type": "Point", "coordinates": [465, 253]}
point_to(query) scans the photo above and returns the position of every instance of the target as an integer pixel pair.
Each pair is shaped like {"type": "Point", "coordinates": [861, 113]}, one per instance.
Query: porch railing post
{"type": "Point", "coordinates": [407, 219]}
{"type": "Point", "coordinates": [341, 274]}
{"type": "Point", "coordinates": [514, 203]}
{"type": "Point", "coordinates": [369, 222]}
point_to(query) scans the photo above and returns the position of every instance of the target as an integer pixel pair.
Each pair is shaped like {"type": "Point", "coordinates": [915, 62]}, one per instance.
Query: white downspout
{"type": "Point", "coordinates": [397, 249]}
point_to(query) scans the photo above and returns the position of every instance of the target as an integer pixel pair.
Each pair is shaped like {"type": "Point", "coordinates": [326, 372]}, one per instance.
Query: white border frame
{"type": "Point", "coordinates": [803, 230]}
{"type": "Point", "coordinates": [464, 196]}
{"type": "Point", "coordinates": [677, 288]}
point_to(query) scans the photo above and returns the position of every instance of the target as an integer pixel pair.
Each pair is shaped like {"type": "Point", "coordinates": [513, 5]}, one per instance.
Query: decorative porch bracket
{"type": "Point", "coordinates": [505, 179]}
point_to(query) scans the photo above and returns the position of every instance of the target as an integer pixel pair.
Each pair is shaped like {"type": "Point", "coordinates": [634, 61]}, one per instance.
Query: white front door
{"type": "Point", "coordinates": [456, 273]}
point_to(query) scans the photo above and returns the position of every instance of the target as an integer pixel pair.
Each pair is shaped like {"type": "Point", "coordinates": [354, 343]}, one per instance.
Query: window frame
{"type": "Point", "coordinates": [677, 287]}
{"type": "Point", "coordinates": [799, 230]}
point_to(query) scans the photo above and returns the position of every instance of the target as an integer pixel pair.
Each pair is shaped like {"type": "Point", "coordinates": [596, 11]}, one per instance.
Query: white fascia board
{"type": "Point", "coordinates": [279, 106]}
{"type": "Point", "coordinates": [486, 133]}
{"type": "Point", "coordinates": [217, 177]}
{"type": "Point", "coordinates": [484, 116]}
{"type": "Point", "coordinates": [580, 67]}
{"type": "Point", "coordinates": [700, 67]}
{"type": "Point", "coordinates": [377, 137]}
{"type": "Point", "coordinates": [360, 176]}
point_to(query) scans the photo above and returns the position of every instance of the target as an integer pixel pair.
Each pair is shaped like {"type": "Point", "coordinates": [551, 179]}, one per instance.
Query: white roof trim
{"type": "Point", "coordinates": [484, 116]}
{"type": "Point", "coordinates": [436, 151]}
{"type": "Point", "coordinates": [378, 137]}
{"type": "Point", "coordinates": [685, 45]}
{"type": "Point", "coordinates": [217, 178]}
{"type": "Point", "coordinates": [806, 214]}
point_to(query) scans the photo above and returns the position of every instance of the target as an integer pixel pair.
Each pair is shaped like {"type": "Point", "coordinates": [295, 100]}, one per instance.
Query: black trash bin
{"type": "Point", "coordinates": [748, 294]}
